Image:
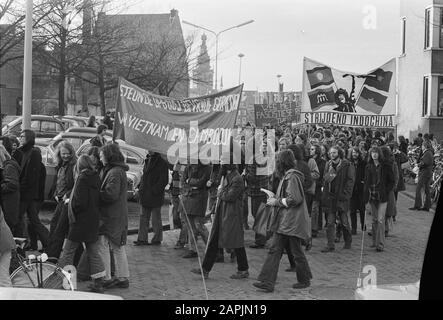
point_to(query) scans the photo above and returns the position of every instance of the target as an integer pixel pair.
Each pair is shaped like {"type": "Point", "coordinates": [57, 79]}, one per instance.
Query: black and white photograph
{"type": "Point", "coordinates": [221, 155]}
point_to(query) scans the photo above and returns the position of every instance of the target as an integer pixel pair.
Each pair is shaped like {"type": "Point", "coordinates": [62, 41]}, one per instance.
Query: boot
{"type": "Point", "coordinates": [97, 286]}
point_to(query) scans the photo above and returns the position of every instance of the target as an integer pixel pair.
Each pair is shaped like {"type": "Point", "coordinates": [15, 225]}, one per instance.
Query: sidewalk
{"type": "Point", "coordinates": [160, 272]}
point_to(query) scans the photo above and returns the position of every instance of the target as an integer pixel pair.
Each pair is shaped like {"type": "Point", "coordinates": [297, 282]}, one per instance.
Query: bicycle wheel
{"type": "Point", "coordinates": [26, 277]}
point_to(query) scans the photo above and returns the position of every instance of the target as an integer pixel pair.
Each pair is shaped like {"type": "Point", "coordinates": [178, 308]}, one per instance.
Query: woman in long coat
{"type": "Point", "coordinates": [114, 215]}
{"type": "Point", "coordinates": [10, 187]}
{"type": "Point", "coordinates": [83, 215]}
{"type": "Point", "coordinates": [227, 230]}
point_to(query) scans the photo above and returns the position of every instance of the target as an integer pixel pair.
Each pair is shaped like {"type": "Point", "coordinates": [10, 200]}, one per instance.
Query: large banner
{"type": "Point", "coordinates": [166, 125]}
{"type": "Point", "coordinates": [276, 114]}
{"type": "Point", "coordinates": [331, 96]}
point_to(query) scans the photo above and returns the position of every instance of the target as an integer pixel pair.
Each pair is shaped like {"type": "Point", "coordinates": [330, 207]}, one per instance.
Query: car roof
{"type": "Point", "coordinates": [36, 117]}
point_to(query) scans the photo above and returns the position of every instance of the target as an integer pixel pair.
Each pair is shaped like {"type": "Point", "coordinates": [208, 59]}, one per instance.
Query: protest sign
{"type": "Point", "coordinates": [172, 126]}
{"type": "Point", "coordinates": [276, 114]}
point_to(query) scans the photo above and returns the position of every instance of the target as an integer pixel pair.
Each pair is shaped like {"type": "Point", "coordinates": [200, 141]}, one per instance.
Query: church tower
{"type": "Point", "coordinates": [203, 75]}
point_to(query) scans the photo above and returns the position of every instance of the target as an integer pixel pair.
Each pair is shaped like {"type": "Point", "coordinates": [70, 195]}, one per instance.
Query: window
{"type": "Point", "coordinates": [440, 97]}
{"type": "Point", "coordinates": [403, 36]}
{"type": "Point", "coordinates": [35, 125]}
{"type": "Point", "coordinates": [50, 126]}
{"type": "Point", "coordinates": [427, 28]}
{"type": "Point", "coordinates": [131, 157]}
{"type": "Point", "coordinates": [425, 96]}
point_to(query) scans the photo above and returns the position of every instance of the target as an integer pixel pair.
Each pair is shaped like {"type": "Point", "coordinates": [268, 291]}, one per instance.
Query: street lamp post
{"type": "Point", "coordinates": [217, 34]}
{"type": "Point", "coordinates": [27, 68]}
{"type": "Point", "coordinates": [240, 55]}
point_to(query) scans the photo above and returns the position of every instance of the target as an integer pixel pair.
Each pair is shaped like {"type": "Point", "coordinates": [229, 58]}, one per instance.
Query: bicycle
{"type": "Point", "coordinates": [35, 271]}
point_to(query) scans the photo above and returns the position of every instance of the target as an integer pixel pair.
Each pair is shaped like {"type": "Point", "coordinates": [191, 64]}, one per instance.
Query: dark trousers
{"type": "Point", "coordinates": [213, 250]}
{"type": "Point", "coordinates": [255, 202]}
{"type": "Point", "coordinates": [33, 238]}
{"type": "Point", "coordinates": [58, 231]}
{"type": "Point", "coordinates": [357, 205]}
{"type": "Point", "coordinates": [269, 271]}
{"type": "Point", "coordinates": [331, 229]}
{"type": "Point", "coordinates": [424, 182]}
{"type": "Point", "coordinates": [35, 224]}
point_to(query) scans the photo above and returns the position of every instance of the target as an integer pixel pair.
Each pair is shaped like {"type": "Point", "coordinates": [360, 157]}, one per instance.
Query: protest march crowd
{"type": "Point", "coordinates": [325, 178]}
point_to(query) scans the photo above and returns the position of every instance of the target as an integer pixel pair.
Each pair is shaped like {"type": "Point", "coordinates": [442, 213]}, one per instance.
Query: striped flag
{"type": "Point", "coordinates": [321, 97]}
{"type": "Point", "coordinates": [380, 80]}
{"type": "Point", "coordinates": [371, 101]}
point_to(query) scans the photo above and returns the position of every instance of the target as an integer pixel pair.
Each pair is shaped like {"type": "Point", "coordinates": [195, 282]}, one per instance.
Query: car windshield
{"type": "Point", "coordinates": [75, 141]}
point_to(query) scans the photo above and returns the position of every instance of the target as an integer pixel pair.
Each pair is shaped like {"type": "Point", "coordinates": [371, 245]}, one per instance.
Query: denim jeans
{"type": "Point", "coordinates": [378, 211]}
{"type": "Point", "coordinates": [157, 225]}
{"type": "Point", "coordinates": [213, 251]}
{"type": "Point", "coordinates": [119, 253]}
{"type": "Point", "coordinates": [269, 271]}
{"type": "Point", "coordinates": [331, 229]}
{"type": "Point", "coordinates": [96, 266]}
{"type": "Point", "coordinates": [198, 228]}
{"type": "Point", "coordinates": [5, 260]}
{"type": "Point", "coordinates": [357, 205]}
{"type": "Point", "coordinates": [315, 215]}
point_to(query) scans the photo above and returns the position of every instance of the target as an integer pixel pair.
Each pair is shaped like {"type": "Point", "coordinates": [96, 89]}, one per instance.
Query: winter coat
{"type": "Point", "coordinates": [30, 173]}
{"type": "Point", "coordinates": [315, 174]}
{"type": "Point", "coordinates": [68, 176]}
{"type": "Point", "coordinates": [426, 164]}
{"type": "Point", "coordinates": [357, 193]}
{"type": "Point", "coordinates": [400, 158]}
{"type": "Point", "coordinates": [7, 242]}
{"type": "Point", "coordinates": [10, 191]}
{"type": "Point", "coordinates": [319, 183]}
{"type": "Point", "coordinates": [391, 209]}
{"type": "Point", "coordinates": [339, 198]}
{"type": "Point", "coordinates": [97, 141]}
{"type": "Point", "coordinates": [153, 182]}
{"type": "Point", "coordinates": [386, 183]}
{"type": "Point", "coordinates": [308, 181]}
{"type": "Point", "coordinates": [291, 217]}
{"type": "Point", "coordinates": [228, 217]}
{"type": "Point", "coordinates": [195, 191]}
{"type": "Point", "coordinates": [85, 208]}
{"type": "Point", "coordinates": [113, 203]}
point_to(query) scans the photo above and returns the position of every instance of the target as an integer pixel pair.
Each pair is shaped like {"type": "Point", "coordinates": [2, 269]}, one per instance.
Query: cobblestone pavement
{"type": "Point", "coordinates": [160, 272]}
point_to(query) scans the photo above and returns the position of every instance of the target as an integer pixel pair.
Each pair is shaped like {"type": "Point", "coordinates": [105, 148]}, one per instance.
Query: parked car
{"type": "Point", "coordinates": [43, 126]}
{"type": "Point", "coordinates": [73, 121]}
{"type": "Point", "coordinates": [76, 136]}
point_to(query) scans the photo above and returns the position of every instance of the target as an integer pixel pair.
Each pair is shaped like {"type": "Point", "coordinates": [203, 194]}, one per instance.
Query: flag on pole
{"type": "Point", "coordinates": [320, 76]}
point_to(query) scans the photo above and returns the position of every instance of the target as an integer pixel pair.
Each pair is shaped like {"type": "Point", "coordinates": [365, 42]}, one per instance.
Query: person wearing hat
{"type": "Point", "coordinates": [227, 230]}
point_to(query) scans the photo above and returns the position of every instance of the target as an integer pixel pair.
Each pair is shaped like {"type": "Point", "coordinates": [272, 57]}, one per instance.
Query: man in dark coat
{"type": "Point", "coordinates": [29, 187]}
{"type": "Point", "coordinates": [152, 195]}
{"type": "Point", "coordinates": [195, 199]}
{"type": "Point", "coordinates": [339, 177]}
{"type": "Point", "coordinates": [357, 203]}
{"type": "Point", "coordinates": [425, 164]}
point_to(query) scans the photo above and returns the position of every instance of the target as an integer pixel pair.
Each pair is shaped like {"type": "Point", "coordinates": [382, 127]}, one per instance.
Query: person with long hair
{"type": "Point", "coordinates": [339, 177]}
{"type": "Point", "coordinates": [114, 215]}
{"type": "Point", "coordinates": [379, 181]}
{"type": "Point", "coordinates": [227, 229]}
{"type": "Point", "coordinates": [400, 157]}
{"type": "Point", "coordinates": [29, 189]}
{"type": "Point", "coordinates": [91, 122]}
{"type": "Point", "coordinates": [316, 210]}
{"type": "Point", "coordinates": [290, 226]}
{"type": "Point", "coordinates": [64, 182]}
{"type": "Point", "coordinates": [83, 216]}
{"type": "Point", "coordinates": [391, 209]}
{"type": "Point", "coordinates": [357, 203]}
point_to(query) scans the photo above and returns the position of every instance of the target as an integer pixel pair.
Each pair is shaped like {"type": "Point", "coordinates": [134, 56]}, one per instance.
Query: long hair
{"type": "Point", "coordinates": [317, 150]}
{"type": "Point", "coordinates": [84, 162]}
{"type": "Point", "coordinates": [297, 152]}
{"type": "Point", "coordinates": [380, 154]}
{"type": "Point", "coordinates": [69, 147]}
{"type": "Point", "coordinates": [4, 155]}
{"type": "Point", "coordinates": [357, 150]}
{"type": "Point", "coordinates": [285, 161]}
{"type": "Point", "coordinates": [112, 153]}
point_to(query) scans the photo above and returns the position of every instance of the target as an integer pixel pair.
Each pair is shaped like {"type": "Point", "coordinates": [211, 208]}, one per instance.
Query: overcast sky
{"type": "Point", "coordinates": [284, 31]}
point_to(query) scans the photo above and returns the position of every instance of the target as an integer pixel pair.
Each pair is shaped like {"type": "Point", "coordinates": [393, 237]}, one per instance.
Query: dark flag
{"type": "Point", "coordinates": [321, 98]}
{"type": "Point", "coordinates": [371, 101]}
{"type": "Point", "coordinates": [381, 80]}
{"type": "Point", "coordinates": [321, 76]}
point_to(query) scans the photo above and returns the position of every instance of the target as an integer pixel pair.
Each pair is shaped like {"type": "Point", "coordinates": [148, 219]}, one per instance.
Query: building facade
{"type": "Point", "coordinates": [420, 69]}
